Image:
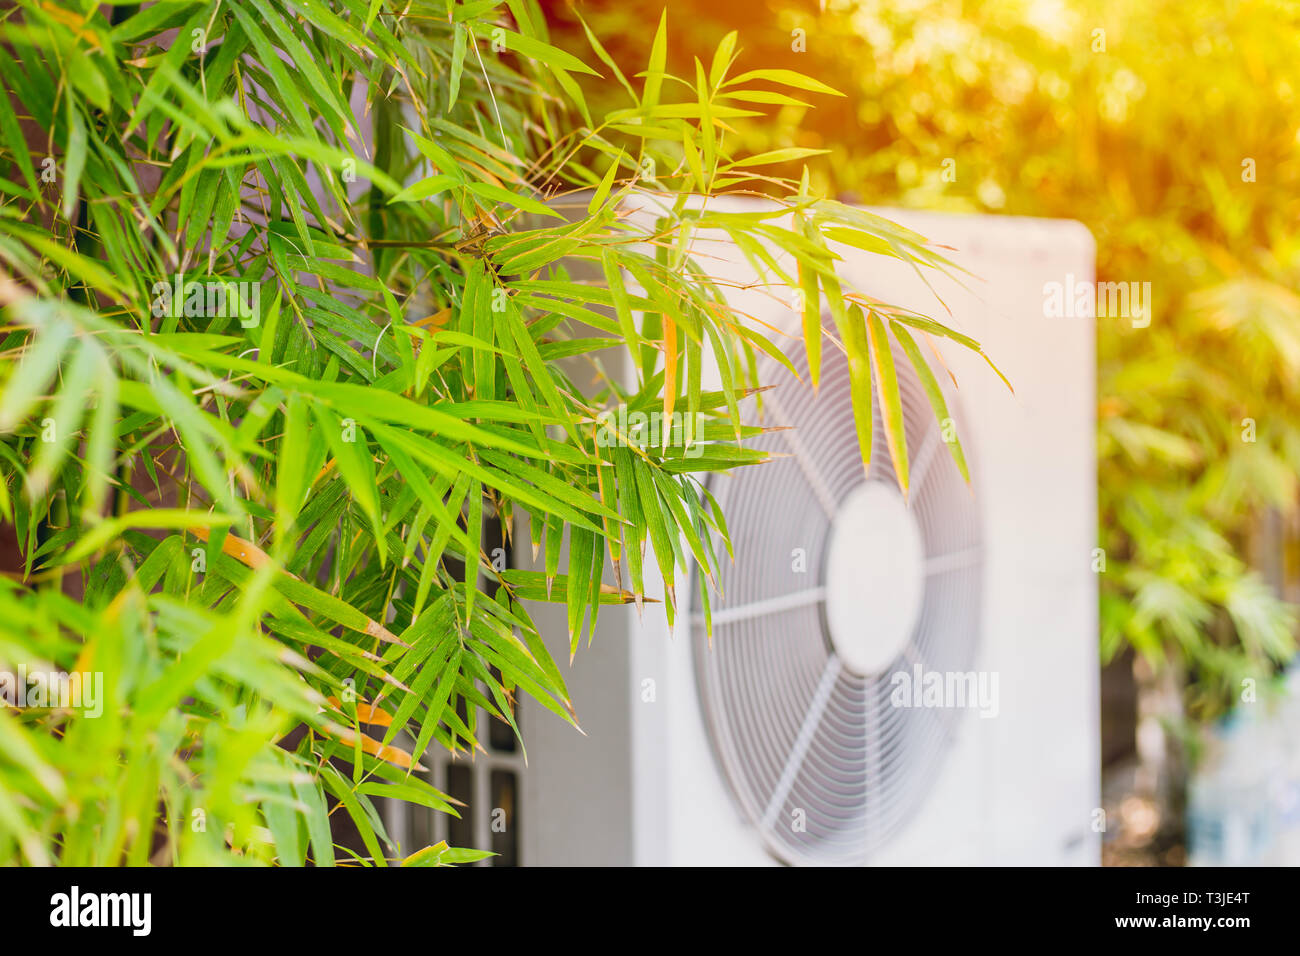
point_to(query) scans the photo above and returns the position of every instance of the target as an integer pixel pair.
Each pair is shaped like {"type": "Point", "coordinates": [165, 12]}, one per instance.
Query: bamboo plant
{"type": "Point", "coordinates": [288, 310]}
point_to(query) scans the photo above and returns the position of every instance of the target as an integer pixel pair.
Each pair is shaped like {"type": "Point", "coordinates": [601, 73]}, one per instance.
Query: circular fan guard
{"type": "Point", "coordinates": [816, 756]}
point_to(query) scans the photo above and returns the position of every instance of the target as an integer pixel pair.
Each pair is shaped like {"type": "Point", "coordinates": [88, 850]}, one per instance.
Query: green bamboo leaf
{"type": "Point", "coordinates": [292, 480]}
{"type": "Point", "coordinates": [693, 157]}
{"type": "Point", "coordinates": [459, 44]}
{"type": "Point", "coordinates": [768, 97]}
{"type": "Point", "coordinates": [537, 368]}
{"type": "Point", "coordinates": [533, 49]}
{"type": "Point", "coordinates": [430, 186]}
{"type": "Point", "coordinates": [581, 547]}
{"type": "Point", "coordinates": [347, 443]}
{"type": "Point", "coordinates": [605, 57]}
{"type": "Point", "coordinates": [33, 373]}
{"type": "Point", "coordinates": [891, 403]}
{"type": "Point", "coordinates": [500, 194]}
{"type": "Point", "coordinates": [91, 272]}
{"type": "Point", "coordinates": [722, 59]}
{"type": "Point", "coordinates": [775, 156]}
{"type": "Point", "coordinates": [100, 439]}
{"type": "Point", "coordinates": [173, 519]}
{"type": "Point", "coordinates": [12, 136]}
{"type": "Point", "coordinates": [708, 135]}
{"type": "Point", "coordinates": [74, 161]}
{"type": "Point", "coordinates": [785, 78]}
{"type": "Point", "coordinates": [438, 702]}
{"type": "Point", "coordinates": [606, 183]}
{"type": "Point", "coordinates": [854, 335]}
{"type": "Point", "coordinates": [812, 319]}
{"type": "Point", "coordinates": [474, 530]}
{"type": "Point", "coordinates": [655, 68]}
{"type": "Point", "coordinates": [554, 542]}
{"type": "Point", "coordinates": [935, 394]}
{"type": "Point", "coordinates": [431, 667]}
{"type": "Point", "coordinates": [618, 292]}
{"type": "Point", "coordinates": [664, 542]}
{"type": "Point", "coordinates": [63, 419]}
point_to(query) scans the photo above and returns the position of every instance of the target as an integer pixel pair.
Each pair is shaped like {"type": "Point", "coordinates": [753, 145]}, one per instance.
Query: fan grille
{"type": "Point", "coordinates": [816, 756]}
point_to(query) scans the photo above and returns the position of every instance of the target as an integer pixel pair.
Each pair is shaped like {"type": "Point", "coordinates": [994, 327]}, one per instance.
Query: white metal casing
{"type": "Point", "coordinates": [643, 785]}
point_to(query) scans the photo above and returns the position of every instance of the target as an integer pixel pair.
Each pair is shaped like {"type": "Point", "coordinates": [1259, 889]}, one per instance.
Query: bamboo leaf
{"type": "Point", "coordinates": [891, 403]}
{"type": "Point", "coordinates": [785, 78]}
{"type": "Point", "coordinates": [935, 394]}
{"type": "Point", "coordinates": [655, 68]}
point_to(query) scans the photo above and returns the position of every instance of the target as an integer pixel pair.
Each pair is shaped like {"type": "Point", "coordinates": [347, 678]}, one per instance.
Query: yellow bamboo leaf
{"type": "Point", "coordinates": [394, 755]}
{"type": "Point", "coordinates": [670, 377]}
{"type": "Point", "coordinates": [366, 713]}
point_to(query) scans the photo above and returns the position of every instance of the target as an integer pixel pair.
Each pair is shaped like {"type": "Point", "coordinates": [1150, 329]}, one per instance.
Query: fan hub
{"type": "Point", "coordinates": [874, 576]}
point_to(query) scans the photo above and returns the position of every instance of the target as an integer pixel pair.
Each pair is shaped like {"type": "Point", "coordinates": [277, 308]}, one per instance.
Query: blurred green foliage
{"type": "Point", "coordinates": [1171, 129]}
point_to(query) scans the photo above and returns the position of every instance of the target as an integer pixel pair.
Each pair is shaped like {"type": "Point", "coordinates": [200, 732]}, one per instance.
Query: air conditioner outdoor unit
{"type": "Point", "coordinates": [888, 682]}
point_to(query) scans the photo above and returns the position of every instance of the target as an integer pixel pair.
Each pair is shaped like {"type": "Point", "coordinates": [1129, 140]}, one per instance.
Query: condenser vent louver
{"type": "Point", "coordinates": [796, 688]}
